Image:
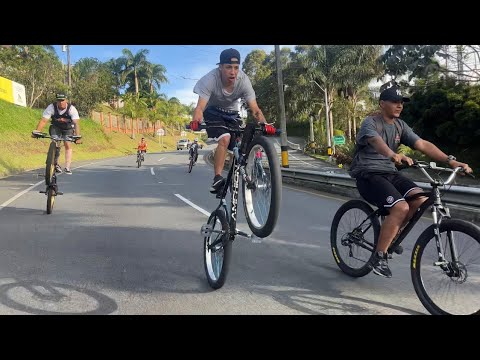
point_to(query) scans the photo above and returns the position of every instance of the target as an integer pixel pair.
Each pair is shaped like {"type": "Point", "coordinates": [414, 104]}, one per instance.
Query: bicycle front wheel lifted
{"type": "Point", "coordinates": [448, 286]}
{"type": "Point", "coordinates": [217, 249]}
{"type": "Point", "coordinates": [262, 193]}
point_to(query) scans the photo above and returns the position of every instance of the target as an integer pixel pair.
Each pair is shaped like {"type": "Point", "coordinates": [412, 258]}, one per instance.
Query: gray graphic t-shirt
{"type": "Point", "coordinates": [210, 87]}
{"type": "Point", "coordinates": [367, 159]}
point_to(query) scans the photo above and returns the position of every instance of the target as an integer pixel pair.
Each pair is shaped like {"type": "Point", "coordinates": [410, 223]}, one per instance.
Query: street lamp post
{"type": "Point", "coordinates": [327, 110]}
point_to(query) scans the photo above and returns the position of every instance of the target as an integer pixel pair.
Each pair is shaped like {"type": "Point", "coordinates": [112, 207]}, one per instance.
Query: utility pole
{"type": "Point", "coordinates": [327, 109]}
{"type": "Point", "coordinates": [68, 68]}
{"type": "Point", "coordinates": [283, 121]}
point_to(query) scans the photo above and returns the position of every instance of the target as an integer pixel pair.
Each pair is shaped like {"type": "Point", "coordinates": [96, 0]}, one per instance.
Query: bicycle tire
{"type": "Point", "coordinates": [216, 270]}
{"type": "Point", "coordinates": [50, 200]}
{"type": "Point", "coordinates": [251, 215]}
{"type": "Point", "coordinates": [421, 271]}
{"type": "Point", "coordinates": [190, 165]}
{"type": "Point", "coordinates": [50, 163]}
{"type": "Point", "coordinates": [349, 242]}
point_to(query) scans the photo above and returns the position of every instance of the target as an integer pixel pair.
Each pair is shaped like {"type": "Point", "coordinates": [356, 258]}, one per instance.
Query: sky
{"type": "Point", "coordinates": [185, 64]}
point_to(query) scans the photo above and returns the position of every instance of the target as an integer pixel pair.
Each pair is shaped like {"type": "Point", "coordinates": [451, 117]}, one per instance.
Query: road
{"type": "Point", "coordinates": [122, 240]}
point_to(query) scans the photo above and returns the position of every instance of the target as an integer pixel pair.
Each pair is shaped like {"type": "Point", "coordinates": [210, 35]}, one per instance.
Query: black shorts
{"type": "Point", "coordinates": [217, 117]}
{"type": "Point", "coordinates": [384, 190]}
{"type": "Point", "coordinates": [55, 130]}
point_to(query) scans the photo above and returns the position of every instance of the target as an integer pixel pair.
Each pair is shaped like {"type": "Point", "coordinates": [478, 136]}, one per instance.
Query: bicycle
{"type": "Point", "coordinates": [193, 160]}
{"type": "Point", "coordinates": [140, 158]}
{"type": "Point", "coordinates": [255, 186]}
{"type": "Point", "coordinates": [438, 253]}
{"type": "Point", "coordinates": [51, 190]}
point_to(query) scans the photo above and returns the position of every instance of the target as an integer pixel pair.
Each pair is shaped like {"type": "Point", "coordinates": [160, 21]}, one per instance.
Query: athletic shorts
{"type": "Point", "coordinates": [384, 190]}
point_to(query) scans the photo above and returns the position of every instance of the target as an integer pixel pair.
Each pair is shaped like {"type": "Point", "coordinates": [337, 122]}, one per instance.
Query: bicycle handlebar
{"type": "Point", "coordinates": [71, 138]}
{"type": "Point", "coordinates": [422, 165]}
{"type": "Point", "coordinates": [262, 126]}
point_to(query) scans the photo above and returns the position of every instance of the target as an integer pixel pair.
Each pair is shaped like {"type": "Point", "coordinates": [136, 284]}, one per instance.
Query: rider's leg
{"type": "Point", "coordinates": [380, 190]}
{"type": "Point", "coordinates": [53, 130]}
{"type": "Point", "coordinates": [68, 154]}
{"type": "Point", "coordinates": [391, 225]}
{"type": "Point", "coordinates": [221, 153]}
{"type": "Point", "coordinates": [408, 188]}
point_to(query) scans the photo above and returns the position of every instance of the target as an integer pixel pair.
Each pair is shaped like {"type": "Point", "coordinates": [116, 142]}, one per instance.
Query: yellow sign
{"type": "Point", "coordinates": [12, 92]}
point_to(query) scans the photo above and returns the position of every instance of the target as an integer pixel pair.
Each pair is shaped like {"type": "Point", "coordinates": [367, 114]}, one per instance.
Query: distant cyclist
{"type": "Point", "coordinates": [142, 148]}
{"type": "Point", "coordinates": [194, 150]}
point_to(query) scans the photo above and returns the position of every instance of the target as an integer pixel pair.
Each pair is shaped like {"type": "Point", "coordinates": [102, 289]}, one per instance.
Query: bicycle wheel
{"type": "Point", "coordinates": [217, 259]}
{"type": "Point", "coordinates": [50, 163]}
{"type": "Point", "coordinates": [190, 165]}
{"type": "Point", "coordinates": [50, 200]}
{"type": "Point", "coordinates": [263, 195]}
{"type": "Point", "coordinates": [353, 237]}
{"type": "Point", "coordinates": [139, 161]}
{"type": "Point", "coordinates": [451, 287]}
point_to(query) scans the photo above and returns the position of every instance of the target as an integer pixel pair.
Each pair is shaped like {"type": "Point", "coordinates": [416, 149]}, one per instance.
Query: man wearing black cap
{"type": "Point", "coordinates": [377, 178]}
{"type": "Point", "coordinates": [219, 92]}
{"type": "Point", "coordinates": [64, 121]}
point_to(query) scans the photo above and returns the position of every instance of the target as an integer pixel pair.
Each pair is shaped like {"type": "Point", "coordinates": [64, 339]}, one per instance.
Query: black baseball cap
{"type": "Point", "coordinates": [61, 96]}
{"type": "Point", "coordinates": [393, 94]}
{"type": "Point", "coordinates": [229, 56]}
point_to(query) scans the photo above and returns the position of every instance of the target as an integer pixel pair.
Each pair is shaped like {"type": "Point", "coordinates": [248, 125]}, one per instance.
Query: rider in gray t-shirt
{"type": "Point", "coordinates": [218, 95]}
{"type": "Point", "coordinates": [378, 181]}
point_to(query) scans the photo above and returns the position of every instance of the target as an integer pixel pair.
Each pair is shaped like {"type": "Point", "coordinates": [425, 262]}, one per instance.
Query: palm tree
{"type": "Point", "coordinates": [154, 74]}
{"type": "Point", "coordinates": [133, 63]}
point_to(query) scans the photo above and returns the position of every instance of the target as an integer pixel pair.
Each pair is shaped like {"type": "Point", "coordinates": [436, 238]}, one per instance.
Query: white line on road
{"type": "Point", "coordinates": [283, 242]}
{"type": "Point", "coordinates": [19, 194]}
{"type": "Point", "coordinates": [160, 159]}
{"type": "Point", "coordinates": [12, 199]}
{"type": "Point", "coordinates": [151, 170]}
{"type": "Point", "coordinates": [196, 207]}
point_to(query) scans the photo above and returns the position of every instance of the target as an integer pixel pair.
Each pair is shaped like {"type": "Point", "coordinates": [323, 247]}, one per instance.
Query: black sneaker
{"type": "Point", "coordinates": [380, 265]}
{"type": "Point", "coordinates": [58, 169]}
{"type": "Point", "coordinates": [68, 171]}
{"type": "Point", "coordinates": [218, 182]}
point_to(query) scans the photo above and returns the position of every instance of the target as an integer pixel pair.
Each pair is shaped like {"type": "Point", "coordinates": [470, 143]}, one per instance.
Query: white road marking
{"type": "Point", "coordinates": [6, 203]}
{"type": "Point", "coordinates": [12, 199]}
{"type": "Point", "coordinates": [196, 207]}
{"type": "Point", "coordinates": [160, 159]}
{"type": "Point", "coordinates": [151, 170]}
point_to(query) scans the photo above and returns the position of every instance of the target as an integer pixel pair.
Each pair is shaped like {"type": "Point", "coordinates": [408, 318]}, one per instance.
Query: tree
{"type": "Point", "coordinates": [133, 63]}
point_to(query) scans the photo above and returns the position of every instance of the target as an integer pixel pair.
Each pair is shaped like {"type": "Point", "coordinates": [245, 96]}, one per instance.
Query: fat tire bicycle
{"type": "Point", "coordinates": [220, 230]}
{"type": "Point", "coordinates": [51, 190]}
{"type": "Point", "coordinates": [444, 257]}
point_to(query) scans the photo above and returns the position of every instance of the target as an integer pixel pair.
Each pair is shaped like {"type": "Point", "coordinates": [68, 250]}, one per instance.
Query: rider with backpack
{"type": "Point", "coordinates": [65, 121]}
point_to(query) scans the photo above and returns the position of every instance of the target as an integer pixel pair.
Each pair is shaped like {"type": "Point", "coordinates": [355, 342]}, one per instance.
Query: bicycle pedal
{"type": "Point", "coordinates": [206, 229]}
{"type": "Point", "coordinates": [42, 192]}
{"type": "Point", "coordinates": [59, 193]}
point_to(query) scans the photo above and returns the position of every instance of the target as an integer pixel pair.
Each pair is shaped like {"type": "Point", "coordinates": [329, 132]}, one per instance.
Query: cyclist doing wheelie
{"type": "Point", "coordinates": [193, 151]}
{"type": "Point", "coordinates": [377, 178]}
{"type": "Point", "coordinates": [65, 121]}
{"type": "Point", "coordinates": [218, 104]}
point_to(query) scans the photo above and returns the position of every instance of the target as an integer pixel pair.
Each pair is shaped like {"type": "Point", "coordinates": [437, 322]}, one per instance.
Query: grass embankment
{"type": "Point", "coordinates": [20, 152]}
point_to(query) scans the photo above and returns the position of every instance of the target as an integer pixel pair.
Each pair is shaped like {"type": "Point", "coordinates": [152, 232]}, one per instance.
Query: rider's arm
{"type": "Point", "coordinates": [47, 114]}
{"type": "Point", "coordinates": [77, 126]}
{"type": "Point", "coordinates": [432, 151]}
{"type": "Point", "coordinates": [75, 119]}
{"type": "Point", "coordinates": [256, 112]}
{"type": "Point", "coordinates": [380, 146]}
{"type": "Point", "coordinates": [198, 112]}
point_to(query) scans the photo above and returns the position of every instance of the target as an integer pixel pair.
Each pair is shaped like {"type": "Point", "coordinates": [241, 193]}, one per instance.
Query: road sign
{"type": "Point", "coordinates": [161, 132]}
{"type": "Point", "coordinates": [183, 133]}
{"type": "Point", "coordinates": [339, 140]}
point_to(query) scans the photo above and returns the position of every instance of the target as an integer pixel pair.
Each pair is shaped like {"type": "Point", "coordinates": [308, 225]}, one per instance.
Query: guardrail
{"type": "Point", "coordinates": [462, 201]}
